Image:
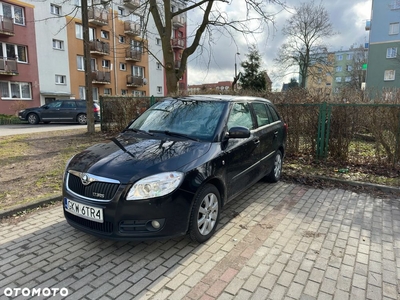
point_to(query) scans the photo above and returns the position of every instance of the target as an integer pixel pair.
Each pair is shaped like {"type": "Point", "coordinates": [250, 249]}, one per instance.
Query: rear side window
{"type": "Point", "coordinates": [262, 113]}
{"type": "Point", "coordinates": [69, 104]}
{"type": "Point", "coordinates": [81, 104]}
{"type": "Point", "coordinates": [274, 113]}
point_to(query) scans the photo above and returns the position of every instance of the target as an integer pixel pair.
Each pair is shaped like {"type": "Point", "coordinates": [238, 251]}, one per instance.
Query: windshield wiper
{"type": "Point", "coordinates": [177, 134]}
{"type": "Point", "coordinates": [118, 143]}
{"type": "Point", "coordinates": [138, 131]}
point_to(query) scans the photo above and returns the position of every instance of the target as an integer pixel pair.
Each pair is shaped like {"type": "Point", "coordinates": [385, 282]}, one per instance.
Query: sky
{"type": "Point", "coordinates": [216, 60]}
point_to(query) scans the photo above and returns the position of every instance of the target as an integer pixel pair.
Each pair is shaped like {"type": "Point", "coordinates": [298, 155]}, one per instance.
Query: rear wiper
{"type": "Point", "coordinates": [177, 134]}
{"type": "Point", "coordinates": [138, 131]}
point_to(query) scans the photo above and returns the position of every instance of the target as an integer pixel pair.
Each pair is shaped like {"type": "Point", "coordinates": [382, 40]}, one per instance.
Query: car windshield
{"type": "Point", "coordinates": [195, 119]}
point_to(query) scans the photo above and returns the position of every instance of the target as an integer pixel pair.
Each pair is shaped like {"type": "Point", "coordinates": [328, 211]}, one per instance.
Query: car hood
{"type": "Point", "coordinates": [140, 157]}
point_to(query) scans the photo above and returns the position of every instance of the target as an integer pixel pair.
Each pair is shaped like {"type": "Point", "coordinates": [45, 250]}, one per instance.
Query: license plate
{"type": "Point", "coordinates": [84, 211]}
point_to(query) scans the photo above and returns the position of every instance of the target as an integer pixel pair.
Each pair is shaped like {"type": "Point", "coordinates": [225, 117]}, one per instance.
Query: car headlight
{"type": "Point", "coordinates": [155, 186]}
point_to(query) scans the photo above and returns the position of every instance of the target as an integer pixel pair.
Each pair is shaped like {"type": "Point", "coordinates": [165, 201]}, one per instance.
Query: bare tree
{"type": "Point", "coordinates": [213, 17]}
{"type": "Point", "coordinates": [305, 32]}
{"type": "Point", "coordinates": [355, 69]}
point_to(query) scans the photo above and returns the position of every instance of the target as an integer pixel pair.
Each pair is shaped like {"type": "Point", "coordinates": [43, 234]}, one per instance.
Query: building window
{"type": "Point", "coordinates": [61, 79]}
{"type": "Point", "coordinates": [57, 44]}
{"type": "Point", "coordinates": [347, 79]}
{"type": "Point", "coordinates": [107, 91]}
{"type": "Point", "coordinates": [10, 51]}
{"type": "Point", "coordinates": [105, 63]}
{"type": "Point", "coordinates": [122, 66]}
{"type": "Point", "coordinates": [124, 92]}
{"type": "Point", "coordinates": [121, 39]}
{"type": "Point", "coordinates": [95, 92]}
{"type": "Point", "coordinates": [393, 28]}
{"type": "Point", "coordinates": [138, 71]}
{"type": "Point", "coordinates": [121, 11]}
{"type": "Point", "coordinates": [339, 57]}
{"type": "Point", "coordinates": [78, 31]}
{"type": "Point", "coordinates": [349, 56]}
{"type": "Point", "coordinates": [55, 9]}
{"type": "Point", "coordinates": [395, 4]}
{"type": "Point", "coordinates": [105, 34]}
{"type": "Point", "coordinates": [158, 41]}
{"type": "Point", "coordinates": [13, 12]}
{"type": "Point", "coordinates": [158, 66]}
{"type": "Point", "coordinates": [391, 52]}
{"type": "Point", "coordinates": [339, 69]}
{"type": "Point", "coordinates": [159, 89]}
{"type": "Point", "coordinates": [80, 63]}
{"type": "Point", "coordinates": [349, 68]}
{"type": "Point", "coordinates": [82, 92]}
{"type": "Point", "coordinates": [18, 90]}
{"type": "Point", "coordinates": [389, 75]}
{"type": "Point", "coordinates": [338, 79]}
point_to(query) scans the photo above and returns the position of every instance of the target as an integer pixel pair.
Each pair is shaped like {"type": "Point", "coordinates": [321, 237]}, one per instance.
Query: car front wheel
{"type": "Point", "coordinates": [205, 213]}
{"type": "Point", "coordinates": [276, 171]}
{"type": "Point", "coordinates": [33, 119]}
{"type": "Point", "coordinates": [82, 119]}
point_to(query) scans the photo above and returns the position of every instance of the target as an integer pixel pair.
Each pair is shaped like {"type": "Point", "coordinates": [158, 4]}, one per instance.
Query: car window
{"type": "Point", "coordinates": [240, 116]}
{"type": "Point", "coordinates": [197, 119]}
{"type": "Point", "coordinates": [54, 104]}
{"type": "Point", "coordinates": [262, 113]}
{"type": "Point", "coordinates": [68, 104]}
{"type": "Point", "coordinates": [81, 104]}
{"type": "Point", "coordinates": [275, 116]}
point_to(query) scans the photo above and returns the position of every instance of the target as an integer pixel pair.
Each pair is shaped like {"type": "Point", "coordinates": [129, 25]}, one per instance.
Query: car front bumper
{"type": "Point", "coordinates": [132, 220]}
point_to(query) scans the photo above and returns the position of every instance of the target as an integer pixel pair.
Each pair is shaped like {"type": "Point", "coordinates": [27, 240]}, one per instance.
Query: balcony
{"type": "Point", "coordinates": [132, 4]}
{"type": "Point", "coordinates": [367, 25]}
{"type": "Point", "coordinates": [132, 28]}
{"type": "Point", "coordinates": [6, 26]}
{"type": "Point", "coordinates": [8, 66]}
{"type": "Point", "coordinates": [99, 47]}
{"type": "Point", "coordinates": [178, 21]}
{"type": "Point", "coordinates": [101, 77]}
{"type": "Point", "coordinates": [133, 55]}
{"type": "Point", "coordinates": [97, 16]}
{"type": "Point", "coordinates": [134, 81]}
{"type": "Point", "coordinates": [178, 43]}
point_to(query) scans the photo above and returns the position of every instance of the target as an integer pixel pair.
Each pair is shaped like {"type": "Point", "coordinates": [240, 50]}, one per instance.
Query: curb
{"type": "Point", "coordinates": [39, 203]}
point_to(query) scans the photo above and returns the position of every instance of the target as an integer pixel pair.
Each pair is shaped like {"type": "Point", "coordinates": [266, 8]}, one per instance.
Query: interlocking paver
{"type": "Point", "coordinates": [286, 242]}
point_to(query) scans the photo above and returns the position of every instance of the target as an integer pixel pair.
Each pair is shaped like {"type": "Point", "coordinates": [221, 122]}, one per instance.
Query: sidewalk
{"type": "Point", "coordinates": [280, 241]}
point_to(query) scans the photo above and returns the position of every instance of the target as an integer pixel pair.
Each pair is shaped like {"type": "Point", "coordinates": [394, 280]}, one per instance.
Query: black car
{"type": "Point", "coordinates": [172, 169]}
{"type": "Point", "coordinates": [71, 110]}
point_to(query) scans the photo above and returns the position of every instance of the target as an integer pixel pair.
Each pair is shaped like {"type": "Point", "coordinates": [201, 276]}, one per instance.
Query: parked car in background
{"type": "Point", "coordinates": [171, 171]}
{"type": "Point", "coordinates": [71, 110]}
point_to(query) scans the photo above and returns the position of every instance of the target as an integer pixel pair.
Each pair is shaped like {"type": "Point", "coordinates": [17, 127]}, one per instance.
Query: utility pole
{"type": "Point", "coordinates": [88, 68]}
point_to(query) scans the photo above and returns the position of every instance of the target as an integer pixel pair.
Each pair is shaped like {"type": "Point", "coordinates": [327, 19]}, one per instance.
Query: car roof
{"type": "Point", "coordinates": [227, 98]}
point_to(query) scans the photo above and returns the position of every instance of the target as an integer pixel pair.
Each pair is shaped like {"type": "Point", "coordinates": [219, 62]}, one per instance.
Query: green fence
{"type": "Point", "coordinates": [353, 133]}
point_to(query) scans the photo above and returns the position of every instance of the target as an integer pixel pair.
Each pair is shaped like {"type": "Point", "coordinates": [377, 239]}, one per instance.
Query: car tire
{"type": "Point", "coordinates": [81, 118]}
{"type": "Point", "coordinates": [33, 119]}
{"type": "Point", "coordinates": [276, 171]}
{"type": "Point", "coordinates": [205, 213]}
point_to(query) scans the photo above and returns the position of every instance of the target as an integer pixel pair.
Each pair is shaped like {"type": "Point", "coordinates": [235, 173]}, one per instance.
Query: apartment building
{"type": "Point", "coordinates": [383, 72]}
{"type": "Point", "coordinates": [19, 78]}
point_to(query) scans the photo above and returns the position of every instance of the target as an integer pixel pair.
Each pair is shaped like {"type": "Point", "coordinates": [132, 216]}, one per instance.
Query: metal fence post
{"type": "Point", "coordinates": [321, 130]}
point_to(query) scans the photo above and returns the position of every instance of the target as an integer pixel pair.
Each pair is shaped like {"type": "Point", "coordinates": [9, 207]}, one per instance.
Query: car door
{"type": "Point", "coordinates": [50, 111]}
{"type": "Point", "coordinates": [266, 132]}
{"type": "Point", "coordinates": [67, 111]}
{"type": "Point", "coordinates": [240, 155]}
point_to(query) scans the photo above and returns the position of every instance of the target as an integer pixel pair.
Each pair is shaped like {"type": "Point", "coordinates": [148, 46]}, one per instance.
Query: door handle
{"type": "Point", "coordinates": [256, 141]}
{"type": "Point", "coordinates": [276, 133]}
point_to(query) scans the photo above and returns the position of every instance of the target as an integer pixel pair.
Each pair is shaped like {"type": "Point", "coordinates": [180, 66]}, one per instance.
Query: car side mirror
{"type": "Point", "coordinates": [238, 132]}
{"type": "Point", "coordinates": [45, 106]}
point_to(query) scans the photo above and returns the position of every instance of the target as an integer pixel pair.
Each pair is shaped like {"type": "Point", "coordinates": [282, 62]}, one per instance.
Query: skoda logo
{"type": "Point", "coordinates": [85, 179]}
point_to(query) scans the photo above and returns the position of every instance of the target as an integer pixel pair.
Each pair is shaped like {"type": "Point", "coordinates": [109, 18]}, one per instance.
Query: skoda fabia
{"type": "Point", "coordinates": [172, 170]}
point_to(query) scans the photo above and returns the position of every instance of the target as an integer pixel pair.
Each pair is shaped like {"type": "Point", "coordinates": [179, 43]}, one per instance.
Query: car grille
{"type": "Point", "coordinates": [106, 227]}
{"type": "Point", "coordinates": [96, 190]}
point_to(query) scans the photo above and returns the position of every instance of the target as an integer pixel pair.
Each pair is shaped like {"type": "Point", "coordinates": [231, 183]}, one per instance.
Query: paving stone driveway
{"type": "Point", "coordinates": [281, 241]}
